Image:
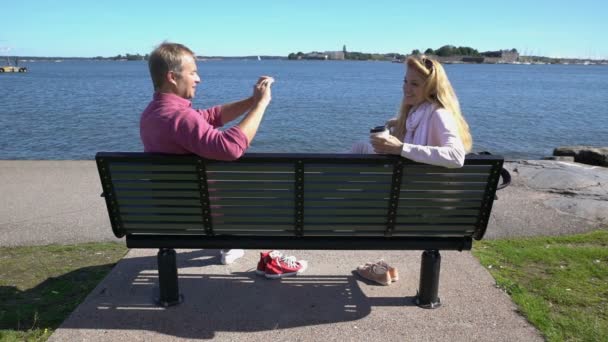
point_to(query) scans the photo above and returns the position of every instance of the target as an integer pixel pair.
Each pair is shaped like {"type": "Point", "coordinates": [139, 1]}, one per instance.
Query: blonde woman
{"type": "Point", "coordinates": [430, 127]}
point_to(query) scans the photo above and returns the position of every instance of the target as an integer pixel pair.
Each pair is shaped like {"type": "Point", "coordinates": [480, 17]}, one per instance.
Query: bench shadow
{"type": "Point", "coordinates": [216, 302]}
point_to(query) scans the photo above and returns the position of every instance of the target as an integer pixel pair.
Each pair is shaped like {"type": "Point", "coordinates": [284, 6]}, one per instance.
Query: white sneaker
{"type": "Point", "coordinates": [231, 255]}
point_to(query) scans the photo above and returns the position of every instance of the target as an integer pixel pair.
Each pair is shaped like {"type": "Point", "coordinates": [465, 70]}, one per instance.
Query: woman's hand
{"type": "Point", "coordinates": [386, 145]}
{"type": "Point", "coordinates": [391, 124]}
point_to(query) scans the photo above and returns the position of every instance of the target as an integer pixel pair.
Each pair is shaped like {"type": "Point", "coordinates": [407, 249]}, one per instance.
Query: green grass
{"type": "Point", "coordinates": [41, 285]}
{"type": "Point", "coordinates": [560, 284]}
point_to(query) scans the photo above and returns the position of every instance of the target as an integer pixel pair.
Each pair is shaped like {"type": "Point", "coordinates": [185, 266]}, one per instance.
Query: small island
{"type": "Point", "coordinates": [447, 54]}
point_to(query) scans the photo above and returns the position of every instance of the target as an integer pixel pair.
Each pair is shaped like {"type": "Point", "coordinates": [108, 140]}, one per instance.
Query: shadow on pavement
{"type": "Point", "coordinates": [50, 302]}
{"type": "Point", "coordinates": [214, 302]}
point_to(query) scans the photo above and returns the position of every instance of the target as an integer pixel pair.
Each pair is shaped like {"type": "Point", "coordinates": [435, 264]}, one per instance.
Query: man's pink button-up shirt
{"type": "Point", "coordinates": [170, 125]}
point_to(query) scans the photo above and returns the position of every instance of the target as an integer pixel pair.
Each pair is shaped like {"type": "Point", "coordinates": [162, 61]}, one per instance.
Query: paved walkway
{"type": "Point", "coordinates": [58, 202]}
{"type": "Point", "coordinates": [327, 303]}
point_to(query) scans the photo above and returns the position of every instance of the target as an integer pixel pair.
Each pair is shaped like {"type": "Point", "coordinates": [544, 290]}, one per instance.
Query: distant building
{"type": "Point", "coordinates": [335, 55]}
{"type": "Point", "coordinates": [502, 56]}
{"type": "Point", "coordinates": [315, 55]}
{"type": "Point", "coordinates": [327, 55]}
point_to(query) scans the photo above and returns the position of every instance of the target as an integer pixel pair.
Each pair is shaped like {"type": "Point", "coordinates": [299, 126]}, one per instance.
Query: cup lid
{"type": "Point", "coordinates": [378, 129]}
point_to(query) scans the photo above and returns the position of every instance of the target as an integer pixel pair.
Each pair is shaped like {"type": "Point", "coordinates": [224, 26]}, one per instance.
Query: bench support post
{"type": "Point", "coordinates": [167, 278]}
{"type": "Point", "coordinates": [430, 265]}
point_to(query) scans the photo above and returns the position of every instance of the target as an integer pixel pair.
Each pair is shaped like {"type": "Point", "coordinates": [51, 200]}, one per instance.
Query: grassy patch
{"type": "Point", "coordinates": [559, 283]}
{"type": "Point", "coordinates": [41, 285]}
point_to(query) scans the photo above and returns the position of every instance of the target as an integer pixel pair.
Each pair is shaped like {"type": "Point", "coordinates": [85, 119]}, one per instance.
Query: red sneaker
{"type": "Point", "coordinates": [280, 267]}
{"type": "Point", "coordinates": [265, 258]}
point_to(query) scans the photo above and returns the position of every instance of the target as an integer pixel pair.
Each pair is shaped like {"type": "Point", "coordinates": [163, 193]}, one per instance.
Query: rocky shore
{"type": "Point", "coordinates": [584, 154]}
{"type": "Point", "coordinates": [550, 197]}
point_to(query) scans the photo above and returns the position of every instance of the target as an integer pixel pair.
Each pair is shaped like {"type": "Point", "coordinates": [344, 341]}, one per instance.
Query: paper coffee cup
{"type": "Point", "coordinates": [379, 131]}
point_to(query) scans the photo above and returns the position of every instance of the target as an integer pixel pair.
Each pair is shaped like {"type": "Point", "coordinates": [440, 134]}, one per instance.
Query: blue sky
{"type": "Point", "coordinates": [236, 28]}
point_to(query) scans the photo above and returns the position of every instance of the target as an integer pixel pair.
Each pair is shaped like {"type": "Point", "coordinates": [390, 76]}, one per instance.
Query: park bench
{"type": "Point", "coordinates": [298, 201]}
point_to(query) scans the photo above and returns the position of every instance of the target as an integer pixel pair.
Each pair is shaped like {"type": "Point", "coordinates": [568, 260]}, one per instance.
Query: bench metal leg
{"type": "Point", "coordinates": [430, 265]}
{"type": "Point", "coordinates": [167, 278]}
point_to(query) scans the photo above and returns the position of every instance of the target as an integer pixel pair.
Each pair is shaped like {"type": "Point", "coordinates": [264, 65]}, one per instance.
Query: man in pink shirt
{"type": "Point", "coordinates": [170, 125]}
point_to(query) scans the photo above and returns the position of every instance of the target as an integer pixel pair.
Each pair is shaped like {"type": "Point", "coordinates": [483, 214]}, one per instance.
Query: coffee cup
{"type": "Point", "coordinates": [379, 132]}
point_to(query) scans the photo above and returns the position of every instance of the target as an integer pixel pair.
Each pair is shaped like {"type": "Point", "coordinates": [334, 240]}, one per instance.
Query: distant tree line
{"type": "Point", "coordinates": [444, 51]}
{"type": "Point", "coordinates": [298, 55]}
{"type": "Point", "coordinates": [130, 57]}
{"type": "Point", "coordinates": [350, 55]}
{"type": "Point", "coordinates": [451, 50]}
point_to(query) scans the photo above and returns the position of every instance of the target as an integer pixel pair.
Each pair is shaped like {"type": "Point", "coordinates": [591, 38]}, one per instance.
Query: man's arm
{"type": "Point", "coordinates": [231, 111]}
{"type": "Point", "coordinates": [261, 97]}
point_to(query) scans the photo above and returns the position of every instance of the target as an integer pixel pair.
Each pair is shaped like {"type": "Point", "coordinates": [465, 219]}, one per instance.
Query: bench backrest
{"type": "Point", "coordinates": [297, 195]}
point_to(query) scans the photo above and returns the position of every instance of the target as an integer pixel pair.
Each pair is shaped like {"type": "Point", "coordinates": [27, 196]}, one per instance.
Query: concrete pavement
{"type": "Point", "coordinates": [46, 202]}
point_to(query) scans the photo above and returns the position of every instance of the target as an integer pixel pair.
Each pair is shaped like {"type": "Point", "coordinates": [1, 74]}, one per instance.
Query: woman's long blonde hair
{"type": "Point", "coordinates": [438, 91]}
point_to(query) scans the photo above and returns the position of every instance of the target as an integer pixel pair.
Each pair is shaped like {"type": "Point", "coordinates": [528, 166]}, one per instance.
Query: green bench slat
{"type": "Point", "coordinates": [439, 202]}
{"type": "Point", "coordinates": [457, 194]}
{"type": "Point", "coordinates": [348, 186]}
{"type": "Point", "coordinates": [253, 219]}
{"type": "Point", "coordinates": [197, 232]}
{"type": "Point", "coordinates": [348, 168]}
{"type": "Point", "coordinates": [143, 201]}
{"type": "Point", "coordinates": [424, 169]}
{"type": "Point", "coordinates": [245, 211]}
{"type": "Point", "coordinates": [400, 220]}
{"type": "Point", "coordinates": [162, 218]}
{"type": "Point", "coordinates": [248, 197]}
{"type": "Point", "coordinates": [443, 177]}
{"type": "Point", "coordinates": [245, 226]}
{"type": "Point", "coordinates": [157, 193]}
{"type": "Point", "coordinates": [117, 167]}
{"type": "Point", "coordinates": [259, 193]}
{"type": "Point", "coordinates": [381, 220]}
{"type": "Point", "coordinates": [248, 185]}
{"type": "Point", "coordinates": [367, 195]}
{"type": "Point", "coordinates": [221, 201]}
{"type": "Point", "coordinates": [314, 178]}
{"type": "Point", "coordinates": [254, 176]}
{"type": "Point", "coordinates": [246, 167]}
{"type": "Point", "coordinates": [439, 211]}
{"type": "Point", "coordinates": [348, 211]}
{"type": "Point", "coordinates": [377, 233]}
{"type": "Point", "coordinates": [160, 226]}
{"type": "Point", "coordinates": [340, 203]}
{"type": "Point", "coordinates": [161, 210]}
{"type": "Point", "coordinates": [287, 217]}
{"type": "Point", "coordinates": [241, 232]}
{"type": "Point", "coordinates": [478, 186]}
{"type": "Point", "coordinates": [154, 176]}
{"type": "Point", "coordinates": [145, 184]}
{"type": "Point", "coordinates": [435, 233]}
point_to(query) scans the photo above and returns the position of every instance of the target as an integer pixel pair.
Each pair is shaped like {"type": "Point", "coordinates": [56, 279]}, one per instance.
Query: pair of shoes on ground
{"type": "Point", "coordinates": [379, 272]}
{"type": "Point", "coordinates": [231, 255]}
{"type": "Point", "coordinates": [275, 265]}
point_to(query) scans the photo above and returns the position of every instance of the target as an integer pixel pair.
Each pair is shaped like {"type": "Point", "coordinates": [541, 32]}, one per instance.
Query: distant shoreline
{"type": "Point", "coordinates": [262, 58]}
